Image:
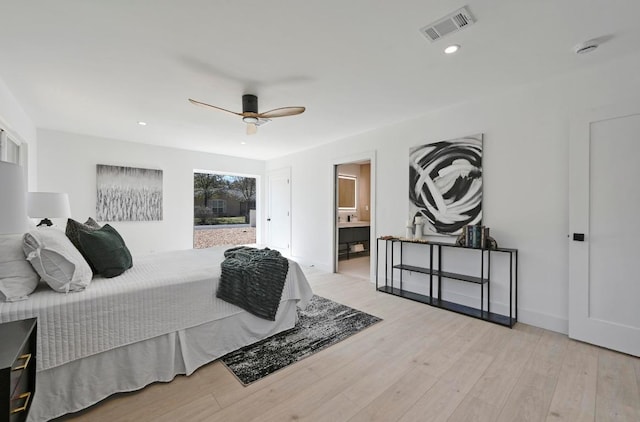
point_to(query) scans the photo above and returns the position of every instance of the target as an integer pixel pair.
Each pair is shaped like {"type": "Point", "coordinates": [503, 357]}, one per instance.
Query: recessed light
{"type": "Point", "coordinates": [451, 49]}
{"type": "Point", "coordinates": [142, 123]}
{"type": "Point", "coordinates": [243, 143]}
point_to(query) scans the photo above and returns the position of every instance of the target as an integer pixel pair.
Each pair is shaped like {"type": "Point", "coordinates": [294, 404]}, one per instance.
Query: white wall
{"type": "Point", "coordinates": [17, 123]}
{"type": "Point", "coordinates": [67, 163]}
{"type": "Point", "coordinates": [525, 160]}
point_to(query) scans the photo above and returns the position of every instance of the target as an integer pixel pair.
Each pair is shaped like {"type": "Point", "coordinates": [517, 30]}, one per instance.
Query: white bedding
{"type": "Point", "coordinates": [161, 294]}
{"type": "Point", "coordinates": [80, 383]}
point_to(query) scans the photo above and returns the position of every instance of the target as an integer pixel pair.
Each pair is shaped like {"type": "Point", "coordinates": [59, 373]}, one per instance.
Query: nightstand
{"type": "Point", "coordinates": [17, 369]}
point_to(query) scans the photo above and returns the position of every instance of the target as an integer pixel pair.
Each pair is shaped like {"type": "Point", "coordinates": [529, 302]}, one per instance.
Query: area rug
{"type": "Point", "coordinates": [322, 324]}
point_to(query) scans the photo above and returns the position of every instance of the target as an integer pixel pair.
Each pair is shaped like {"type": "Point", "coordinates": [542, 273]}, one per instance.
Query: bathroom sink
{"type": "Point", "coordinates": [354, 224]}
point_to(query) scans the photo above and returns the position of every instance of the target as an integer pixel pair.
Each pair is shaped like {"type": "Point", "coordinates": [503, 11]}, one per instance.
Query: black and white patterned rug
{"type": "Point", "coordinates": [322, 324]}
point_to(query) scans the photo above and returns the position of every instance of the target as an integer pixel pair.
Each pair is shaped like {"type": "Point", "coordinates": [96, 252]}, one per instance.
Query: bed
{"type": "Point", "coordinates": [159, 319]}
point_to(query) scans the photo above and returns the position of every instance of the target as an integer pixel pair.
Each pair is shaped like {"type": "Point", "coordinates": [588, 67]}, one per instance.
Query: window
{"type": "Point", "coordinates": [219, 206]}
{"type": "Point", "coordinates": [224, 209]}
{"type": "Point", "coordinates": [9, 149]}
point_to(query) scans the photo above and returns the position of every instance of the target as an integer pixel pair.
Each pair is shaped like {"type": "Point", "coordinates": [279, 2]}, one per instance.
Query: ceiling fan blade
{"type": "Point", "coordinates": [281, 112]}
{"type": "Point", "coordinates": [252, 129]}
{"type": "Point", "coordinates": [212, 106]}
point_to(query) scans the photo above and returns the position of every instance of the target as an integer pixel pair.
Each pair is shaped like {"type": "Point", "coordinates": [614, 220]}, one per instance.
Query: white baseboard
{"type": "Point", "coordinates": [546, 321]}
{"type": "Point", "coordinates": [308, 263]}
{"type": "Point", "coordinates": [526, 316]}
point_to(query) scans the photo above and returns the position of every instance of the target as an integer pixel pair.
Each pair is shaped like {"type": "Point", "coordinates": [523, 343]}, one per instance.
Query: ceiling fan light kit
{"type": "Point", "coordinates": [250, 114]}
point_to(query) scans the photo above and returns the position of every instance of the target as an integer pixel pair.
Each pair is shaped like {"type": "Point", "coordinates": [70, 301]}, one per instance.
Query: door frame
{"type": "Point", "coordinates": [608, 335]}
{"type": "Point", "coordinates": [362, 156]}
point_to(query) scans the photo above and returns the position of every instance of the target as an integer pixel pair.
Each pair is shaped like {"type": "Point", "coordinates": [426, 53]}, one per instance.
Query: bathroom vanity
{"type": "Point", "coordinates": [353, 239]}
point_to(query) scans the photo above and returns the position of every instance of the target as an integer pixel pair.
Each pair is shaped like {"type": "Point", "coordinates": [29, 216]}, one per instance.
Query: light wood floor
{"type": "Point", "coordinates": [419, 364]}
{"type": "Point", "coordinates": [355, 267]}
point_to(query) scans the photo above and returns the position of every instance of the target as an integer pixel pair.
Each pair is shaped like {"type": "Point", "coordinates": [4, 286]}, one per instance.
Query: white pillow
{"type": "Point", "coordinates": [17, 278]}
{"type": "Point", "coordinates": [58, 262]}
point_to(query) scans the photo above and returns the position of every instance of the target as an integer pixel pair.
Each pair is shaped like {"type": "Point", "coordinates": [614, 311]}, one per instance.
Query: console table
{"type": "Point", "coordinates": [394, 260]}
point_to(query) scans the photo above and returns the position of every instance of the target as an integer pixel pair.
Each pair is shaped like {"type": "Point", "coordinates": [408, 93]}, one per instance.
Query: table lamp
{"type": "Point", "coordinates": [48, 204]}
{"type": "Point", "coordinates": [13, 199]}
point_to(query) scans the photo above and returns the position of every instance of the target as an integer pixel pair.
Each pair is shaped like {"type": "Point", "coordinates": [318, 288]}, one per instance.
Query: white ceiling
{"type": "Point", "coordinates": [97, 67]}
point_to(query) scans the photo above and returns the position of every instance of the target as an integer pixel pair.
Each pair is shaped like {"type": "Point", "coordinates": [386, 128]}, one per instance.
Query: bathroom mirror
{"type": "Point", "coordinates": [346, 192]}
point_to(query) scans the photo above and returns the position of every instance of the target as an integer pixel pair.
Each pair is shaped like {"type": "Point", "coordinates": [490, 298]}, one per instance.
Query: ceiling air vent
{"type": "Point", "coordinates": [454, 22]}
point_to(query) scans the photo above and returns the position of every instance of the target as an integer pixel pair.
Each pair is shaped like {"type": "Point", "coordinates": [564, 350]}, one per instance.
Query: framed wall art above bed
{"type": "Point", "coordinates": [128, 193]}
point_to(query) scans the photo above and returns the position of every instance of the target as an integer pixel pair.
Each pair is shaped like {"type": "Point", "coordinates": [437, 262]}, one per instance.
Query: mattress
{"type": "Point", "coordinates": [163, 293]}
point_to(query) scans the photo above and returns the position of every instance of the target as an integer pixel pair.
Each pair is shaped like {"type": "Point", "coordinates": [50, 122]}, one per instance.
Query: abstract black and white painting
{"type": "Point", "coordinates": [128, 194]}
{"type": "Point", "coordinates": [445, 184]}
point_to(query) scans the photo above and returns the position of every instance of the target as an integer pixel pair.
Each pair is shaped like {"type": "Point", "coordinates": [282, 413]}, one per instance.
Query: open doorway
{"type": "Point", "coordinates": [224, 209]}
{"type": "Point", "coordinates": [353, 218]}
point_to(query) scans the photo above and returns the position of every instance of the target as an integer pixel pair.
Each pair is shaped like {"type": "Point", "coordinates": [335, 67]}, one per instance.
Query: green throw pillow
{"type": "Point", "coordinates": [72, 229]}
{"type": "Point", "coordinates": [105, 250]}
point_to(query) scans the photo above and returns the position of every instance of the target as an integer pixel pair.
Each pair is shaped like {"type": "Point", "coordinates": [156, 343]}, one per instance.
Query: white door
{"type": "Point", "coordinates": [279, 210]}
{"type": "Point", "coordinates": [604, 201]}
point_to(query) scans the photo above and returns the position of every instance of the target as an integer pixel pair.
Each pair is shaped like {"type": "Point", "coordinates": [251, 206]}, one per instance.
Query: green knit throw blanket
{"type": "Point", "coordinates": [253, 279]}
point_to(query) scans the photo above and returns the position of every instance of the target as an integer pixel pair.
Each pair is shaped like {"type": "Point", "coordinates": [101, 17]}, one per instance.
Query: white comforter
{"type": "Point", "coordinates": [162, 293]}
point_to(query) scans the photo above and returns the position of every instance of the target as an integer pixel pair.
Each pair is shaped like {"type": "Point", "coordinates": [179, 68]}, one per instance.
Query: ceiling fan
{"type": "Point", "coordinates": [250, 114]}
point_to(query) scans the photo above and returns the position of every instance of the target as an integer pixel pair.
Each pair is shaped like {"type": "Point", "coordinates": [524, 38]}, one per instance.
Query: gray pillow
{"type": "Point", "coordinates": [17, 277]}
{"type": "Point", "coordinates": [56, 260]}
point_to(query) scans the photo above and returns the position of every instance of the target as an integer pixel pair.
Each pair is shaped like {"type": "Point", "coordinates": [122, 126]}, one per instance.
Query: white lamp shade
{"type": "Point", "coordinates": [13, 199]}
{"type": "Point", "coordinates": [48, 205]}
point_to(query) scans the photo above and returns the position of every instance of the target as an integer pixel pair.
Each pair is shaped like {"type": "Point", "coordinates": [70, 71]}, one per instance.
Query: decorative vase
{"type": "Point", "coordinates": [409, 231]}
{"type": "Point", "coordinates": [418, 235]}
